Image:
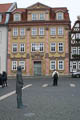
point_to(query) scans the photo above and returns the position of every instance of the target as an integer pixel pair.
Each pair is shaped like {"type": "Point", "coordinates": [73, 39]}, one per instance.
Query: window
{"type": "Point", "coordinates": [60, 47]}
{"type": "Point", "coordinates": [41, 47]}
{"type": "Point", "coordinates": [42, 16]}
{"type": "Point", "coordinates": [60, 65]}
{"type": "Point", "coordinates": [74, 66]}
{"type": "Point", "coordinates": [14, 65]}
{"type": "Point", "coordinates": [22, 64]}
{"type": "Point", "coordinates": [17, 17]}
{"type": "Point", "coordinates": [77, 35]}
{"type": "Point", "coordinates": [34, 16]}
{"type": "Point", "coordinates": [52, 65]}
{"type": "Point", "coordinates": [22, 32]}
{"type": "Point", "coordinates": [53, 47]}
{"type": "Point", "coordinates": [41, 31]}
{"type": "Point", "coordinates": [22, 47]}
{"type": "Point", "coordinates": [79, 50]}
{"type": "Point", "coordinates": [79, 65]}
{"type": "Point", "coordinates": [15, 32]}
{"type": "Point", "coordinates": [53, 31]}
{"type": "Point", "coordinates": [74, 50]}
{"type": "Point", "coordinates": [34, 31]}
{"type": "Point", "coordinates": [37, 47]}
{"type": "Point", "coordinates": [60, 31]}
{"type": "Point", "coordinates": [0, 17]}
{"type": "Point", "coordinates": [14, 47]}
{"type": "Point", "coordinates": [33, 47]}
{"type": "Point", "coordinates": [59, 16]}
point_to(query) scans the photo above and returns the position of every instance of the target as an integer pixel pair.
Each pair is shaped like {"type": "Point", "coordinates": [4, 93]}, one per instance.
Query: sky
{"type": "Point", "coordinates": [72, 5]}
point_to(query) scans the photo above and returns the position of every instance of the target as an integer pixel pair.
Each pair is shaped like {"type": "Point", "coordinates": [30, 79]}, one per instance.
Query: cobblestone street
{"type": "Point", "coordinates": [43, 101]}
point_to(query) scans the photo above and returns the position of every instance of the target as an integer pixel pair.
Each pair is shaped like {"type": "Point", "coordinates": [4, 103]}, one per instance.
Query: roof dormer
{"type": "Point", "coordinates": [59, 15]}
{"type": "Point", "coordinates": [17, 16]}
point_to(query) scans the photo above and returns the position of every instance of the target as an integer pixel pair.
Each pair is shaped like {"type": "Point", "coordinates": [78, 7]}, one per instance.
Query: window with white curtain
{"type": "Point", "coordinates": [52, 65]}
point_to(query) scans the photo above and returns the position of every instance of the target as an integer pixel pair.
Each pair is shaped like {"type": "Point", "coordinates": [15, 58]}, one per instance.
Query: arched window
{"type": "Point", "coordinates": [59, 16]}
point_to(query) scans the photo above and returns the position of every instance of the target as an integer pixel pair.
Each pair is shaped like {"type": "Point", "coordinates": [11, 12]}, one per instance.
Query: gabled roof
{"type": "Point", "coordinates": [5, 7]}
{"type": "Point", "coordinates": [37, 5]}
{"type": "Point", "coordinates": [64, 9]}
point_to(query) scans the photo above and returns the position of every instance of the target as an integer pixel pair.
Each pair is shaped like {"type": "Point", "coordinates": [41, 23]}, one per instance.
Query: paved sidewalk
{"type": "Point", "coordinates": [44, 102]}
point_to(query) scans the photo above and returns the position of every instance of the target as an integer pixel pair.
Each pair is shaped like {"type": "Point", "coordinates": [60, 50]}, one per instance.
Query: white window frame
{"type": "Point", "coordinates": [53, 46]}
{"type": "Point", "coordinates": [0, 17]}
{"type": "Point", "coordinates": [52, 63]}
{"type": "Point", "coordinates": [14, 46]}
{"type": "Point", "coordinates": [14, 65]}
{"type": "Point", "coordinates": [41, 31]}
{"type": "Point", "coordinates": [15, 32]}
{"type": "Point", "coordinates": [17, 17]}
{"type": "Point", "coordinates": [22, 47]}
{"type": "Point", "coordinates": [22, 32]}
{"type": "Point", "coordinates": [79, 50]}
{"type": "Point", "coordinates": [22, 64]}
{"type": "Point", "coordinates": [60, 64]}
{"type": "Point", "coordinates": [74, 64]}
{"type": "Point", "coordinates": [34, 31]}
{"type": "Point", "coordinates": [34, 16]}
{"type": "Point", "coordinates": [60, 46]}
{"type": "Point", "coordinates": [60, 16]}
{"type": "Point", "coordinates": [33, 47]}
{"type": "Point", "coordinates": [74, 50]}
{"type": "Point", "coordinates": [79, 65]}
{"type": "Point", "coordinates": [41, 47]}
{"type": "Point", "coordinates": [60, 31]}
{"type": "Point", "coordinates": [53, 31]}
{"type": "Point", "coordinates": [41, 16]}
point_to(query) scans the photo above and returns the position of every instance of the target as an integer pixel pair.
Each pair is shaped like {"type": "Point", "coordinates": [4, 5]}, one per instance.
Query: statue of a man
{"type": "Point", "coordinates": [19, 85]}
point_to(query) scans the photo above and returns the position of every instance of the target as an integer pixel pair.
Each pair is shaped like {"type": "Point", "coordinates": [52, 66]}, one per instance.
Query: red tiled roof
{"type": "Point", "coordinates": [19, 10]}
{"type": "Point", "coordinates": [5, 7]}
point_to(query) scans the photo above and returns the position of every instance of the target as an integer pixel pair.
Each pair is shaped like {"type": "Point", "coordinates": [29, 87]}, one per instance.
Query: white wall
{"type": "Point", "coordinates": [3, 48]}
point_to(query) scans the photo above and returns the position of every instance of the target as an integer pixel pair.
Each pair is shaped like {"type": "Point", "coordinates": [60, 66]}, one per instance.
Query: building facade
{"type": "Point", "coordinates": [75, 47]}
{"type": "Point", "coordinates": [38, 40]}
{"type": "Point", "coordinates": [5, 10]}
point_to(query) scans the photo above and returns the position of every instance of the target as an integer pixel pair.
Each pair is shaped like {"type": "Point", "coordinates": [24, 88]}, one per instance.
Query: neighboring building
{"type": "Point", "coordinates": [75, 47]}
{"type": "Point", "coordinates": [38, 40]}
{"type": "Point", "coordinates": [5, 10]}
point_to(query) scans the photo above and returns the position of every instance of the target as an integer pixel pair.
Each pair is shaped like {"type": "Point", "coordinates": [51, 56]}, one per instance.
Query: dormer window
{"type": "Point", "coordinates": [34, 16]}
{"type": "Point", "coordinates": [42, 16]}
{"type": "Point", "coordinates": [17, 17]}
{"type": "Point", "coordinates": [60, 16]}
{"type": "Point", "coordinates": [0, 17]}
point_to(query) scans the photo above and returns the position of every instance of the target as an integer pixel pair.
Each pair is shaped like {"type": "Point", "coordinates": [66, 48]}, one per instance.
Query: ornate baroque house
{"type": "Point", "coordinates": [5, 10]}
{"type": "Point", "coordinates": [75, 47]}
{"type": "Point", "coordinates": [38, 40]}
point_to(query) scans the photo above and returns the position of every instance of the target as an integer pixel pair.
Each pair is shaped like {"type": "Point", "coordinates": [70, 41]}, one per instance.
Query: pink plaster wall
{"type": "Point", "coordinates": [47, 44]}
{"type": "Point", "coordinates": [67, 51]}
{"type": "Point", "coordinates": [27, 61]}
{"type": "Point", "coordinates": [47, 66]}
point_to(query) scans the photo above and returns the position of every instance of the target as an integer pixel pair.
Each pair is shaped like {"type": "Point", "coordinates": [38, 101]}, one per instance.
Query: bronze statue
{"type": "Point", "coordinates": [19, 85]}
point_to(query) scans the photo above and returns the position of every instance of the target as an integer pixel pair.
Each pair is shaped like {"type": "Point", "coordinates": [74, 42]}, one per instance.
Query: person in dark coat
{"type": "Point", "coordinates": [55, 76]}
{"type": "Point", "coordinates": [19, 85]}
